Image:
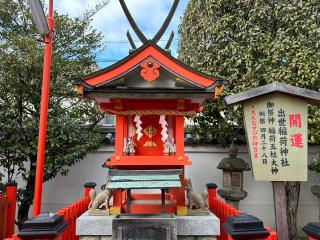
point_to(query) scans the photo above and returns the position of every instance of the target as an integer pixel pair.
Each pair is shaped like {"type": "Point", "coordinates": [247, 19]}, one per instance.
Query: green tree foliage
{"type": "Point", "coordinates": [74, 50]}
{"type": "Point", "coordinates": [252, 43]}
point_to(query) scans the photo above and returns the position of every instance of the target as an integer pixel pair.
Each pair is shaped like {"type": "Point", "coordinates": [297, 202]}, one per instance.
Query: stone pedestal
{"type": "Point", "coordinates": [312, 229]}
{"type": "Point", "coordinates": [188, 227]}
{"type": "Point", "coordinates": [44, 226]}
{"type": "Point", "coordinates": [179, 238]}
{"type": "Point", "coordinates": [244, 226]}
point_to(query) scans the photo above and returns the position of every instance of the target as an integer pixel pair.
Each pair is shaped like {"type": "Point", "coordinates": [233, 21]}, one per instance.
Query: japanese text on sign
{"type": "Point", "coordinates": [277, 135]}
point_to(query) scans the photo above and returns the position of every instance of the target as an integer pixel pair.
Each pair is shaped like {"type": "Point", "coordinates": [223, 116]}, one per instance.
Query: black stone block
{"type": "Point", "coordinates": [244, 226]}
{"type": "Point", "coordinates": [43, 226]}
{"type": "Point", "coordinates": [13, 183]}
{"type": "Point", "coordinates": [312, 229]}
{"type": "Point", "coordinates": [211, 185]}
{"type": "Point", "coordinates": [90, 184]}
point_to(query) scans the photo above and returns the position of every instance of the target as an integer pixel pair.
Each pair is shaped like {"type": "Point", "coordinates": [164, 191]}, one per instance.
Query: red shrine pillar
{"type": "Point", "coordinates": [119, 135]}
{"type": "Point", "coordinates": [179, 138]}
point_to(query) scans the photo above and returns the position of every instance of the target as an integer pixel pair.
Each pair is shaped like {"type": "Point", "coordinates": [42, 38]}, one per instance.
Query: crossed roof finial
{"type": "Point", "coordinates": [140, 34]}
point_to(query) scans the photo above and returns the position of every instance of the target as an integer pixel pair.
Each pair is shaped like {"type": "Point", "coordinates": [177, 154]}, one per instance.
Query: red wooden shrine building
{"type": "Point", "coordinates": [150, 92]}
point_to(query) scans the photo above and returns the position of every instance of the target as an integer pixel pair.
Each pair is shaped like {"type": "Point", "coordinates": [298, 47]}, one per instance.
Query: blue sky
{"type": "Point", "coordinates": [111, 21]}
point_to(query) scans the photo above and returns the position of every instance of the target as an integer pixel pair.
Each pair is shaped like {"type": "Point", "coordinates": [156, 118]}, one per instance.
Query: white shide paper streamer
{"type": "Point", "coordinates": [138, 122]}
{"type": "Point", "coordinates": [164, 124]}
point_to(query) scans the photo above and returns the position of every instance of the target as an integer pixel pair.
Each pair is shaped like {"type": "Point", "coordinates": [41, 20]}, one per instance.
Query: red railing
{"type": "Point", "coordinates": [273, 234]}
{"type": "Point", "coordinates": [13, 237]}
{"type": "Point", "coordinates": [71, 213]}
{"type": "Point", "coordinates": [8, 210]}
{"type": "Point", "coordinates": [3, 215]}
{"type": "Point", "coordinates": [223, 210]}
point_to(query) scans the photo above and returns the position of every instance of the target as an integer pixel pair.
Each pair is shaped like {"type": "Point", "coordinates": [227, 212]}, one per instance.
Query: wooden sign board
{"type": "Point", "coordinates": [276, 126]}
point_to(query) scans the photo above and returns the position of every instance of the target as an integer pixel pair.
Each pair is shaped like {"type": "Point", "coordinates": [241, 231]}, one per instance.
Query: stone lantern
{"type": "Point", "coordinates": [233, 168]}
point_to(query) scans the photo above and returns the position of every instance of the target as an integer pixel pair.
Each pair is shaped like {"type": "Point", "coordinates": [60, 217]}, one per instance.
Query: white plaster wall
{"type": "Point", "coordinates": [64, 190]}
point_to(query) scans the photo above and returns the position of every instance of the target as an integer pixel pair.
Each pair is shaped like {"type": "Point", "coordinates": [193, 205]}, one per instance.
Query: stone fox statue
{"type": "Point", "coordinates": [195, 198]}
{"type": "Point", "coordinates": [100, 200]}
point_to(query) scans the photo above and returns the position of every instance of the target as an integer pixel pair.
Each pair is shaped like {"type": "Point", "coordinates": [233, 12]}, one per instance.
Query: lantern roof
{"type": "Point", "coordinates": [148, 72]}
{"type": "Point", "coordinates": [312, 97]}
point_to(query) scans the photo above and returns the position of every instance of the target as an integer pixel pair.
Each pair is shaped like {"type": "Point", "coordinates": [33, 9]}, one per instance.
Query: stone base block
{"type": "Point", "coordinates": [94, 226]}
{"type": "Point", "coordinates": [188, 227]}
{"type": "Point", "coordinates": [198, 225]}
{"type": "Point", "coordinates": [179, 238]}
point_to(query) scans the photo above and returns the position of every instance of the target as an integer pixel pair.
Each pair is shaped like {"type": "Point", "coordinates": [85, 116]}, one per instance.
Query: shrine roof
{"type": "Point", "coordinates": [134, 74]}
{"type": "Point", "coordinates": [312, 97]}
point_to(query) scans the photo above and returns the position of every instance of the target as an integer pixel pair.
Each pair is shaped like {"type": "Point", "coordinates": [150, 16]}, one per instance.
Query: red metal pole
{"type": "Point", "coordinates": [11, 192]}
{"type": "Point", "coordinates": [43, 113]}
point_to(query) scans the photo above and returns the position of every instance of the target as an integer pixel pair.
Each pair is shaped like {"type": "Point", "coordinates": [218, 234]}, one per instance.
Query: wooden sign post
{"type": "Point", "coordinates": [275, 117]}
